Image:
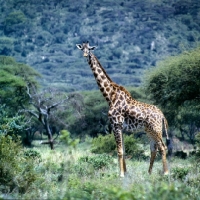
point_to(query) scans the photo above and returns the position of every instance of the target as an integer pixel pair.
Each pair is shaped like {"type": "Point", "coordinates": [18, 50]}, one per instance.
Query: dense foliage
{"type": "Point", "coordinates": [17, 172]}
{"type": "Point", "coordinates": [14, 79]}
{"type": "Point", "coordinates": [10, 125]}
{"type": "Point", "coordinates": [131, 36]}
{"type": "Point", "coordinates": [175, 86]}
{"type": "Point", "coordinates": [107, 144]}
{"type": "Point", "coordinates": [175, 81]}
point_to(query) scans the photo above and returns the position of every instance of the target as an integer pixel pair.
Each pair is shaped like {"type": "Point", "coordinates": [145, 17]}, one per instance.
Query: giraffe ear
{"type": "Point", "coordinates": [92, 48]}
{"type": "Point", "coordinates": [79, 46]}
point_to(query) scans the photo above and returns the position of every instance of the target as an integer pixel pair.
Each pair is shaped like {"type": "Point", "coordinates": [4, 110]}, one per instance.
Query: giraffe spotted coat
{"type": "Point", "coordinates": [127, 113]}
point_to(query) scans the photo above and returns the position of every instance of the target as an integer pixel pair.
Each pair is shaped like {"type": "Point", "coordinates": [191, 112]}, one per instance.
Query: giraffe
{"type": "Point", "coordinates": [127, 113]}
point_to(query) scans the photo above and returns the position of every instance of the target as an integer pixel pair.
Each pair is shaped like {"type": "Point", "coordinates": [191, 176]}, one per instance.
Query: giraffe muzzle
{"type": "Point", "coordinates": [85, 54]}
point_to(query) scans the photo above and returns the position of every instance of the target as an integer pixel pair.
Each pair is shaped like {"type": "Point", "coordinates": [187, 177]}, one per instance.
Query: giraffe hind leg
{"type": "Point", "coordinates": [162, 150]}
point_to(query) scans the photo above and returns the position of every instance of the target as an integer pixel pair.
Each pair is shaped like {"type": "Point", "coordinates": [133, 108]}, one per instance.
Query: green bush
{"type": "Point", "coordinates": [97, 161]}
{"type": "Point", "coordinates": [90, 190]}
{"type": "Point", "coordinates": [32, 154]}
{"type": "Point", "coordinates": [10, 125]}
{"type": "Point", "coordinates": [107, 144]}
{"type": "Point", "coordinates": [180, 172]}
{"type": "Point", "coordinates": [85, 190]}
{"type": "Point", "coordinates": [168, 192]}
{"type": "Point", "coordinates": [104, 144]}
{"type": "Point", "coordinates": [132, 147]}
{"type": "Point", "coordinates": [66, 138]}
{"type": "Point", "coordinates": [16, 171]}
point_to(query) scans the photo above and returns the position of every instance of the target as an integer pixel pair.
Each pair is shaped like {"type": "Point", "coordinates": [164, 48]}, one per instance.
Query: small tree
{"type": "Point", "coordinates": [46, 107]}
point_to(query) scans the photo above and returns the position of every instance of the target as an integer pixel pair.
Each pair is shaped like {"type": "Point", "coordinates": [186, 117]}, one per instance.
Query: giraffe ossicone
{"type": "Point", "coordinates": [127, 113]}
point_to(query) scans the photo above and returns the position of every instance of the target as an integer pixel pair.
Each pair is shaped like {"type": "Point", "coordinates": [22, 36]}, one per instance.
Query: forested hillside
{"type": "Point", "coordinates": [131, 36]}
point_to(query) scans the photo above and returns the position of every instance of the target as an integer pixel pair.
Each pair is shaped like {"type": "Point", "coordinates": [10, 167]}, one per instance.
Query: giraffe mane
{"type": "Point", "coordinates": [113, 83]}
{"type": "Point", "coordinates": [103, 69]}
{"type": "Point", "coordinates": [122, 89]}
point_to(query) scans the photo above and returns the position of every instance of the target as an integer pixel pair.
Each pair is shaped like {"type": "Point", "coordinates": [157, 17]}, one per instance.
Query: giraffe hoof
{"type": "Point", "coordinates": [166, 173]}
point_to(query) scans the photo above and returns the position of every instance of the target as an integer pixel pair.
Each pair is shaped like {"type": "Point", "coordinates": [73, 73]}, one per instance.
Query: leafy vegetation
{"type": "Point", "coordinates": [10, 125]}
{"type": "Point", "coordinates": [107, 144]}
{"type": "Point", "coordinates": [176, 80]}
{"type": "Point", "coordinates": [14, 79]}
{"type": "Point", "coordinates": [39, 173]}
{"type": "Point", "coordinates": [174, 85]}
{"type": "Point", "coordinates": [16, 170]}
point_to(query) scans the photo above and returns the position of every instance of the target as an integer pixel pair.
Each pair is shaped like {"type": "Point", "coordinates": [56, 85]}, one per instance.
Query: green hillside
{"type": "Point", "coordinates": [131, 35]}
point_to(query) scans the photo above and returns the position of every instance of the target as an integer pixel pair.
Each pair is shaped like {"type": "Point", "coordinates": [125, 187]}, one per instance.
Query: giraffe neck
{"type": "Point", "coordinates": [103, 80]}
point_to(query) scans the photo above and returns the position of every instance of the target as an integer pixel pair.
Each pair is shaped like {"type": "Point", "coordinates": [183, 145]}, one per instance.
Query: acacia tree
{"type": "Point", "coordinates": [175, 85]}
{"type": "Point", "coordinates": [14, 78]}
{"type": "Point", "coordinates": [48, 105]}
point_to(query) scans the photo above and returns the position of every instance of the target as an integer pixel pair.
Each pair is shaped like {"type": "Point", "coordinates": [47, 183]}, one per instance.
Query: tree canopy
{"type": "Point", "coordinates": [174, 83]}
{"type": "Point", "coordinates": [14, 78]}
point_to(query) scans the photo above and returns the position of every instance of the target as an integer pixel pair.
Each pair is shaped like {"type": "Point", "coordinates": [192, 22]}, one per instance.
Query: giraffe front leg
{"type": "Point", "coordinates": [153, 148]}
{"type": "Point", "coordinates": [120, 148]}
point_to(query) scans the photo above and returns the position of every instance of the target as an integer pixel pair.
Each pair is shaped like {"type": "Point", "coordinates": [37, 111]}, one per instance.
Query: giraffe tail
{"type": "Point", "coordinates": [168, 140]}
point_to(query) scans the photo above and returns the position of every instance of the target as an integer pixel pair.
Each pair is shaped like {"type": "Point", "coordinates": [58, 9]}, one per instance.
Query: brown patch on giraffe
{"type": "Point", "coordinates": [103, 77]}
{"type": "Point", "coordinates": [99, 71]}
{"type": "Point", "coordinates": [107, 89]}
{"type": "Point", "coordinates": [121, 97]}
{"type": "Point", "coordinates": [105, 84]}
{"type": "Point", "coordinates": [132, 113]}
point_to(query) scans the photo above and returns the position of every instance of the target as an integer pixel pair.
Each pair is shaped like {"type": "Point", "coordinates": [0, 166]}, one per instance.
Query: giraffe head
{"type": "Point", "coordinates": [85, 47]}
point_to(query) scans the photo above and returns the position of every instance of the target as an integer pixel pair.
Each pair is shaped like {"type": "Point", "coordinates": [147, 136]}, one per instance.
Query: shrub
{"type": "Point", "coordinates": [107, 144]}
{"type": "Point", "coordinates": [10, 125]}
{"type": "Point", "coordinates": [16, 171]}
{"type": "Point", "coordinates": [85, 190]}
{"type": "Point", "coordinates": [66, 138]}
{"type": "Point", "coordinates": [104, 144]}
{"type": "Point", "coordinates": [10, 158]}
{"type": "Point", "coordinates": [98, 161]}
{"type": "Point", "coordinates": [180, 172]}
{"type": "Point", "coordinates": [168, 192]}
{"type": "Point", "coordinates": [32, 154]}
{"type": "Point", "coordinates": [132, 147]}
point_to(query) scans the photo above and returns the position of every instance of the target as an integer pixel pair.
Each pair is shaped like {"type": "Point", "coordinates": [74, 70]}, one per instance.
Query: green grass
{"type": "Point", "coordinates": [83, 175]}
